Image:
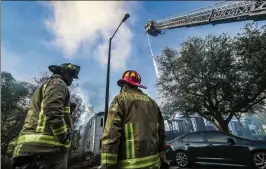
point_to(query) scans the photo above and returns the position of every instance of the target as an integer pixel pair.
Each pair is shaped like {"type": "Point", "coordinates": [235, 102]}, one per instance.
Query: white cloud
{"type": "Point", "coordinates": [88, 25]}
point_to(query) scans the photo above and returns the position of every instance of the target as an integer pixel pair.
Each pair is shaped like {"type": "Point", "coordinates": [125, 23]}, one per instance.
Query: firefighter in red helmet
{"type": "Point", "coordinates": [134, 134]}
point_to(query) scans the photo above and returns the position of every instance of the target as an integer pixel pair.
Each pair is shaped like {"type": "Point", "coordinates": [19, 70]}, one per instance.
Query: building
{"type": "Point", "coordinates": [246, 126]}
{"type": "Point", "coordinates": [92, 134]}
{"type": "Point", "coordinates": [181, 125]}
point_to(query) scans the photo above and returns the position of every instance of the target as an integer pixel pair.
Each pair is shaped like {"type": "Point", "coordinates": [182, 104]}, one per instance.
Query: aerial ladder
{"type": "Point", "coordinates": [219, 13]}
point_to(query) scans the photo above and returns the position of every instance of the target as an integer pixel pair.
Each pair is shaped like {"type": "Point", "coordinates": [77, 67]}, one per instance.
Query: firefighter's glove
{"type": "Point", "coordinates": [72, 107]}
{"type": "Point", "coordinates": [164, 165]}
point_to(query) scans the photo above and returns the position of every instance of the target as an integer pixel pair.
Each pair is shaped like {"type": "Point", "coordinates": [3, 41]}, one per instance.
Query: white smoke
{"type": "Point", "coordinates": [88, 112]}
{"type": "Point", "coordinates": [87, 26]}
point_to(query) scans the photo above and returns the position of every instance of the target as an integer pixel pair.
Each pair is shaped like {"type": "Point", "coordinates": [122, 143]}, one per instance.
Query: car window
{"type": "Point", "coordinates": [216, 137]}
{"type": "Point", "coordinates": [195, 137]}
{"type": "Point", "coordinates": [185, 139]}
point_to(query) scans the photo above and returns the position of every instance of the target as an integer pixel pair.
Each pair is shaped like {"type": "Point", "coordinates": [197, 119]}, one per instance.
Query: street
{"type": "Point", "coordinates": [201, 167]}
{"type": "Point", "coordinates": [207, 167]}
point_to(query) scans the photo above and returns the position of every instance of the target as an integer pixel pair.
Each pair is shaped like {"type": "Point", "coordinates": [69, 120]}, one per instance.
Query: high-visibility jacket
{"type": "Point", "coordinates": [134, 134]}
{"type": "Point", "coordinates": [48, 120]}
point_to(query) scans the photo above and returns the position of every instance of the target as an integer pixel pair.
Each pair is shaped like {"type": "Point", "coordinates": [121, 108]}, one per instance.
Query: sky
{"type": "Point", "coordinates": [38, 34]}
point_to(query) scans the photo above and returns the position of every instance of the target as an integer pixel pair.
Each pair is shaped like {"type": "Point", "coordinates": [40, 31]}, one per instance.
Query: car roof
{"type": "Point", "coordinates": [206, 132]}
{"type": "Point", "coordinates": [215, 131]}
{"type": "Point", "coordinates": [176, 138]}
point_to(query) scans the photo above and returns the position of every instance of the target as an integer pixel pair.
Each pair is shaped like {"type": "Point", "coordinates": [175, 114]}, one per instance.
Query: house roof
{"type": "Point", "coordinates": [99, 114]}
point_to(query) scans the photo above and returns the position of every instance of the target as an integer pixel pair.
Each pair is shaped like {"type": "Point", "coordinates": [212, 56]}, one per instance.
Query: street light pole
{"type": "Point", "coordinates": [108, 70]}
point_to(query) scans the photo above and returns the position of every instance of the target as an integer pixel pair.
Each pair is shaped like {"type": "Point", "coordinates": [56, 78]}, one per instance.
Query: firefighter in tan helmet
{"type": "Point", "coordinates": [45, 138]}
{"type": "Point", "coordinates": [134, 134]}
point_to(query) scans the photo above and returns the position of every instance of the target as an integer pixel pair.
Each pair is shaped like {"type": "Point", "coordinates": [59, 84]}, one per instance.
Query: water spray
{"type": "Point", "coordinates": [153, 58]}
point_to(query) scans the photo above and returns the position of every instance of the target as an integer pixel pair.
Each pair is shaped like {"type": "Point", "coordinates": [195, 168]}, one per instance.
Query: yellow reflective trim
{"type": "Point", "coordinates": [140, 162]}
{"type": "Point", "coordinates": [107, 158]}
{"type": "Point", "coordinates": [127, 143]}
{"type": "Point", "coordinates": [108, 162]}
{"type": "Point", "coordinates": [42, 117]}
{"type": "Point", "coordinates": [67, 109]}
{"type": "Point", "coordinates": [130, 141]}
{"type": "Point", "coordinates": [60, 130]}
{"type": "Point", "coordinates": [45, 139]}
{"type": "Point", "coordinates": [109, 155]}
{"type": "Point", "coordinates": [16, 150]}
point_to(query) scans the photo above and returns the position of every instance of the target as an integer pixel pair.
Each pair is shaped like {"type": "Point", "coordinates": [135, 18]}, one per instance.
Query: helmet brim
{"type": "Point", "coordinates": [75, 76]}
{"type": "Point", "coordinates": [54, 68]}
{"type": "Point", "coordinates": [122, 81]}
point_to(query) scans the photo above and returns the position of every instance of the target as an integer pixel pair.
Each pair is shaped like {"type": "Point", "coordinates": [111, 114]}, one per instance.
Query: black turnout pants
{"type": "Point", "coordinates": [53, 161]}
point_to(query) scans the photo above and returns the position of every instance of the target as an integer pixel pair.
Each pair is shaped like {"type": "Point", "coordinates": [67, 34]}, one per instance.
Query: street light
{"type": "Point", "coordinates": [108, 70]}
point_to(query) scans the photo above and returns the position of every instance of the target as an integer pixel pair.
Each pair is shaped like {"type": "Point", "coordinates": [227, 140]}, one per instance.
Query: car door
{"type": "Point", "coordinates": [195, 145]}
{"type": "Point", "coordinates": [222, 151]}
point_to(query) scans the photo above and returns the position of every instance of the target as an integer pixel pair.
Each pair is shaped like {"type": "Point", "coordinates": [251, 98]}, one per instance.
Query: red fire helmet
{"type": "Point", "coordinates": [132, 77]}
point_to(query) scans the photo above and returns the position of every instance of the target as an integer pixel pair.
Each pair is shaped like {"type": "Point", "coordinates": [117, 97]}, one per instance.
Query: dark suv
{"type": "Point", "coordinates": [216, 148]}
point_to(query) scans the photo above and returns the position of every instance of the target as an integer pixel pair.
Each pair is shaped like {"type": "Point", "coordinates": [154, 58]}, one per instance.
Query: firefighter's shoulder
{"type": "Point", "coordinates": [57, 84]}
{"type": "Point", "coordinates": [114, 101]}
{"type": "Point", "coordinates": [57, 81]}
{"type": "Point", "coordinates": [118, 100]}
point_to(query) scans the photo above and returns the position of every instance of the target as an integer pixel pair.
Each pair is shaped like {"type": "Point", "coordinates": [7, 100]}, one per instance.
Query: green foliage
{"type": "Point", "coordinates": [217, 77]}
{"type": "Point", "coordinates": [13, 111]}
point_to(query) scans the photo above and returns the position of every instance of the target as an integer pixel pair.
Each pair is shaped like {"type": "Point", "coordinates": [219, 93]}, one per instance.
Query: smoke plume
{"type": "Point", "coordinates": [87, 26]}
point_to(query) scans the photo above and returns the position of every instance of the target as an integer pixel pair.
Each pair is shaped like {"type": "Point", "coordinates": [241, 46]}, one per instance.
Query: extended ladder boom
{"type": "Point", "coordinates": [223, 12]}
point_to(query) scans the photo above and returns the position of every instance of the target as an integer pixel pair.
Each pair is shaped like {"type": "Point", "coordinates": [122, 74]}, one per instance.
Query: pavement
{"type": "Point", "coordinates": [207, 167]}
{"type": "Point", "coordinates": [198, 167]}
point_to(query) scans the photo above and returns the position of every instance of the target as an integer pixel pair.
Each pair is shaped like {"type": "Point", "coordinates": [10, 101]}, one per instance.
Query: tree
{"type": "Point", "coordinates": [217, 77]}
{"type": "Point", "coordinates": [13, 111]}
